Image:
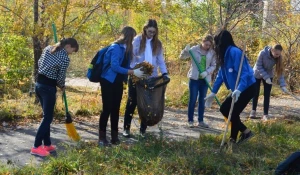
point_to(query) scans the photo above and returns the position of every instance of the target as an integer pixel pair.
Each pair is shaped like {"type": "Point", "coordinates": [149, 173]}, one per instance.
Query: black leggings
{"type": "Point", "coordinates": [239, 106]}
{"type": "Point", "coordinates": [111, 101]}
{"type": "Point", "coordinates": [130, 107]}
{"type": "Point", "coordinates": [267, 94]}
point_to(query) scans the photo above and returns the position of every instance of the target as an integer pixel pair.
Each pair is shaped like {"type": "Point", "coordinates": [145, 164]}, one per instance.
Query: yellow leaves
{"type": "Point", "coordinates": [147, 68]}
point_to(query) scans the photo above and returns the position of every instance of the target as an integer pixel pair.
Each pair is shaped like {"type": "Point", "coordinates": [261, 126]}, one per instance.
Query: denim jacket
{"type": "Point", "coordinates": [229, 70]}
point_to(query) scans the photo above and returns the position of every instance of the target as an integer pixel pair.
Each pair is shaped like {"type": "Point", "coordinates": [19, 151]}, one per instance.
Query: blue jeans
{"type": "Point", "coordinates": [47, 97]}
{"type": "Point", "coordinates": [198, 88]}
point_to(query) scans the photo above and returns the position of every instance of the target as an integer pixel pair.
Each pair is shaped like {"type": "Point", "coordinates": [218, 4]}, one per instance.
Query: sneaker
{"type": "Point", "coordinates": [265, 118]}
{"type": "Point", "coordinates": [103, 143]}
{"type": "Point", "coordinates": [245, 137]}
{"type": "Point", "coordinates": [202, 124]}
{"type": "Point", "coordinates": [143, 134]}
{"type": "Point", "coordinates": [50, 148]}
{"type": "Point", "coordinates": [115, 142]}
{"type": "Point", "coordinates": [191, 124]}
{"type": "Point", "coordinates": [253, 114]}
{"type": "Point", "coordinates": [126, 133]}
{"type": "Point", "coordinates": [39, 151]}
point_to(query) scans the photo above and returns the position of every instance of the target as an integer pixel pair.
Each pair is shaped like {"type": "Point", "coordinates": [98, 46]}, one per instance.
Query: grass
{"type": "Point", "coordinates": [156, 155]}
{"type": "Point", "coordinates": [273, 142]}
{"type": "Point", "coordinates": [83, 101]}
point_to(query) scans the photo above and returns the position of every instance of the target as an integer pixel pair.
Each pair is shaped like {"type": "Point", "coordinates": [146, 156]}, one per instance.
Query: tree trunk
{"type": "Point", "coordinates": [37, 49]}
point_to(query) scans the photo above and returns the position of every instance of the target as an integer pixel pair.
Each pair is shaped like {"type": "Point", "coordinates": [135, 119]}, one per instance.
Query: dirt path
{"type": "Point", "coordinates": [15, 143]}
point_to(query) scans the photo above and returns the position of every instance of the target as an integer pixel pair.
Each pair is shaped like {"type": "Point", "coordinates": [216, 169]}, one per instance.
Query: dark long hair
{"type": "Point", "coordinates": [156, 44]}
{"type": "Point", "coordinates": [127, 35]}
{"type": "Point", "coordinates": [60, 45]}
{"type": "Point", "coordinates": [222, 41]}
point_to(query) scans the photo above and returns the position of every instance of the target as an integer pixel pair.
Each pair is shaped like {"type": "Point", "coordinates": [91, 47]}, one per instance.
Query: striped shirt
{"type": "Point", "coordinates": [54, 66]}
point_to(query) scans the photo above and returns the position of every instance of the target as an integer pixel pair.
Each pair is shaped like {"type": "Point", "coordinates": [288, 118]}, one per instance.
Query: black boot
{"type": "Point", "coordinates": [115, 138]}
{"type": "Point", "coordinates": [102, 139]}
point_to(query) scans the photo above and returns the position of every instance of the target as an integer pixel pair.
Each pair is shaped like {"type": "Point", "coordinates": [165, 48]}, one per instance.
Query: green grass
{"type": "Point", "coordinates": [157, 155]}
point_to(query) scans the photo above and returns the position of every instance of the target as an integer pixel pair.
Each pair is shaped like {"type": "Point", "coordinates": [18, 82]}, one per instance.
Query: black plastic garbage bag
{"type": "Point", "coordinates": [151, 99]}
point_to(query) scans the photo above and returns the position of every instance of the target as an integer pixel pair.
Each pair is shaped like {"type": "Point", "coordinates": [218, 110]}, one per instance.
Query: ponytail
{"type": "Point", "coordinates": [60, 45]}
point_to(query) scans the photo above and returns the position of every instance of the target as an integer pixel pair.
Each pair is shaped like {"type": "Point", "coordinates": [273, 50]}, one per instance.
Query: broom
{"type": "Point", "coordinates": [71, 131]}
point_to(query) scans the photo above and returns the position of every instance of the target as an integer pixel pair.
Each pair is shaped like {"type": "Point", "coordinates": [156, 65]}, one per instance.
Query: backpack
{"type": "Point", "coordinates": [96, 66]}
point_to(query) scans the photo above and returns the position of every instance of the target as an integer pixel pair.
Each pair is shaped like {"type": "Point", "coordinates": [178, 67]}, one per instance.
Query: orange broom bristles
{"type": "Point", "coordinates": [71, 131]}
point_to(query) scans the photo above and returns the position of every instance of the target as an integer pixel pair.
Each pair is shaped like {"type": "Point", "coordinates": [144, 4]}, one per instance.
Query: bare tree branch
{"type": "Point", "coordinates": [12, 12]}
{"type": "Point", "coordinates": [86, 18]}
{"type": "Point", "coordinates": [64, 18]}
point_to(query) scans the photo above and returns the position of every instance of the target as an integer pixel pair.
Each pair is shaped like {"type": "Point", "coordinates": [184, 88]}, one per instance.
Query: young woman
{"type": "Point", "coordinates": [117, 59]}
{"type": "Point", "coordinates": [263, 71]}
{"type": "Point", "coordinates": [229, 58]}
{"type": "Point", "coordinates": [52, 67]}
{"type": "Point", "coordinates": [146, 47]}
{"type": "Point", "coordinates": [205, 58]}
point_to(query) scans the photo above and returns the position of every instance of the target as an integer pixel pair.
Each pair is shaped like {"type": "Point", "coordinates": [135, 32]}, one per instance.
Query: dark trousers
{"type": "Point", "coordinates": [130, 107]}
{"type": "Point", "coordinates": [47, 97]}
{"type": "Point", "coordinates": [290, 165]}
{"type": "Point", "coordinates": [239, 106]}
{"type": "Point", "coordinates": [267, 94]}
{"type": "Point", "coordinates": [111, 101]}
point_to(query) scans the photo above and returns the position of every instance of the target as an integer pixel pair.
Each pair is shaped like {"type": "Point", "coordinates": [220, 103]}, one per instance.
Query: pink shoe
{"type": "Point", "coordinates": [40, 151]}
{"type": "Point", "coordinates": [50, 148]}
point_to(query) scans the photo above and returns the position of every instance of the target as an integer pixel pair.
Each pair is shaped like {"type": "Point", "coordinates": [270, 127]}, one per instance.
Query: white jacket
{"type": "Point", "coordinates": [193, 73]}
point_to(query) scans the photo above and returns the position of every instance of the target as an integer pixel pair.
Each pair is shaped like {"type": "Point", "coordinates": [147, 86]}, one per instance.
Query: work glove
{"type": "Point", "coordinates": [187, 47]}
{"type": "Point", "coordinates": [284, 89]}
{"type": "Point", "coordinates": [209, 100]}
{"type": "Point", "coordinates": [268, 80]}
{"type": "Point", "coordinates": [139, 73]}
{"type": "Point", "coordinates": [235, 95]}
{"type": "Point", "coordinates": [165, 77]}
{"type": "Point", "coordinates": [203, 75]}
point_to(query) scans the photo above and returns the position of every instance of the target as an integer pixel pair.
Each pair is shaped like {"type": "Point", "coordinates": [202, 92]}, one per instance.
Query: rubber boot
{"type": "Point", "coordinates": [102, 139]}
{"type": "Point", "coordinates": [115, 138]}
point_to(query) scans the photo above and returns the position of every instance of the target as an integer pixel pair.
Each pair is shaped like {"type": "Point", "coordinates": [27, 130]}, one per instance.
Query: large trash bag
{"type": "Point", "coordinates": [151, 99]}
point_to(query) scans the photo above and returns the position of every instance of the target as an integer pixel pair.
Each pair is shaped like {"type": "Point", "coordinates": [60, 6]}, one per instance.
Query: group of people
{"type": "Point", "coordinates": [129, 50]}
{"type": "Point", "coordinates": [120, 58]}
{"type": "Point", "coordinates": [229, 57]}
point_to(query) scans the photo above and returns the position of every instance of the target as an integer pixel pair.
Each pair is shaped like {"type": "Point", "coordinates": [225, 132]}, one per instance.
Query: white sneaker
{"type": "Point", "coordinates": [202, 124]}
{"type": "Point", "coordinates": [191, 124]}
{"type": "Point", "coordinates": [253, 114]}
{"type": "Point", "coordinates": [265, 118]}
{"type": "Point", "coordinates": [126, 133]}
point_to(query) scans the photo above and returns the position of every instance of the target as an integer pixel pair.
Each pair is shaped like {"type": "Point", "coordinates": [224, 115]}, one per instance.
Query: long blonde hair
{"type": "Point", "coordinates": [279, 62]}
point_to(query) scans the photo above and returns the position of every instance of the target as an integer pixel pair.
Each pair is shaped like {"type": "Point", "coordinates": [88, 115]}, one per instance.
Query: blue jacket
{"type": "Point", "coordinates": [229, 70]}
{"type": "Point", "coordinates": [112, 62]}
